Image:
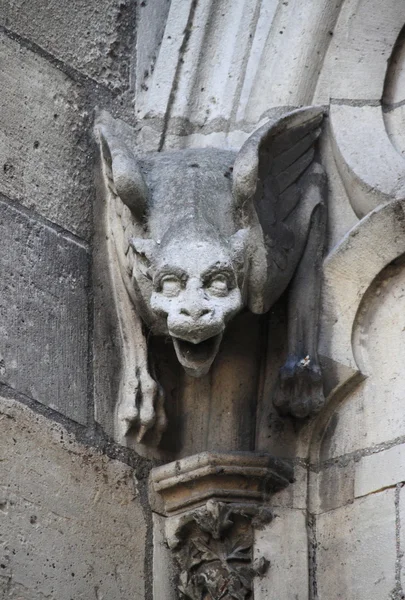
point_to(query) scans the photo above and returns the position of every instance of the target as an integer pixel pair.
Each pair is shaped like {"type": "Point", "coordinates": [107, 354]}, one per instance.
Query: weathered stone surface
{"type": "Point", "coordinates": [380, 470]}
{"type": "Point", "coordinates": [44, 152]}
{"type": "Point", "coordinates": [213, 549]}
{"type": "Point", "coordinates": [270, 55]}
{"type": "Point", "coordinates": [71, 525]}
{"type": "Point", "coordinates": [401, 527]}
{"type": "Point", "coordinates": [356, 350]}
{"type": "Point", "coordinates": [341, 217]}
{"type": "Point", "coordinates": [394, 121]}
{"type": "Point", "coordinates": [295, 495]}
{"type": "Point", "coordinates": [164, 569]}
{"type": "Point", "coordinates": [284, 543]}
{"type": "Point", "coordinates": [43, 313]}
{"type": "Point", "coordinates": [234, 477]}
{"type": "Point", "coordinates": [373, 177]}
{"type": "Point", "coordinates": [373, 413]}
{"type": "Point", "coordinates": [331, 488]}
{"type": "Point", "coordinates": [362, 42]}
{"type": "Point", "coordinates": [197, 221]}
{"type": "Point", "coordinates": [92, 36]}
{"type": "Point", "coordinates": [356, 550]}
{"type": "Point", "coordinates": [394, 93]}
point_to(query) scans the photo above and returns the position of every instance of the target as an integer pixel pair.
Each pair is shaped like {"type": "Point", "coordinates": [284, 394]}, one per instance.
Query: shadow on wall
{"type": "Point", "coordinates": [355, 489]}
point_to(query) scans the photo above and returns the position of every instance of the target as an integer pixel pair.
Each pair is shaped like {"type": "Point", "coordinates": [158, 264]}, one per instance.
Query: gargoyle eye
{"type": "Point", "coordinates": [218, 285]}
{"type": "Point", "coordinates": [170, 285]}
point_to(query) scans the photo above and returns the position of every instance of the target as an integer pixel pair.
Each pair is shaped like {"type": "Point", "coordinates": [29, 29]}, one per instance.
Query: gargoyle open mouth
{"type": "Point", "coordinates": [197, 358]}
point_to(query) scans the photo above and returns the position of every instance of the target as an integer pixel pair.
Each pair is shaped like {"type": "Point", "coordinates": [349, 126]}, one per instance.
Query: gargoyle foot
{"type": "Point", "coordinates": [299, 389]}
{"type": "Point", "coordinates": [142, 409]}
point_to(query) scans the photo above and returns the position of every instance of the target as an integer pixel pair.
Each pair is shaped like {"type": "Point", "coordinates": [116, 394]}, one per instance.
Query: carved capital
{"type": "Point", "coordinates": [229, 477]}
{"type": "Point", "coordinates": [214, 502]}
{"type": "Point", "coordinates": [213, 547]}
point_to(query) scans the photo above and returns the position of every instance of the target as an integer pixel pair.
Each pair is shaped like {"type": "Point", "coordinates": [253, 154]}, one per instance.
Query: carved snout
{"type": "Point", "coordinates": [195, 312]}
{"type": "Point", "coordinates": [194, 324]}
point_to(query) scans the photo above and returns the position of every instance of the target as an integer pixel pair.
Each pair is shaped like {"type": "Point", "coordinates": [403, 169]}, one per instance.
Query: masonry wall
{"type": "Point", "coordinates": [74, 515]}
{"type": "Point", "coordinates": [356, 485]}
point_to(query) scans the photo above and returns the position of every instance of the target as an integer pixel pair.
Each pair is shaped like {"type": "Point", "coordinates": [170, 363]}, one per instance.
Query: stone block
{"type": "Point", "coordinates": [356, 550]}
{"type": "Point", "coordinates": [356, 62]}
{"type": "Point", "coordinates": [341, 217]}
{"type": "Point", "coordinates": [152, 18]}
{"type": "Point", "coordinates": [294, 495]}
{"type": "Point", "coordinates": [71, 523]}
{"type": "Point", "coordinates": [94, 36]}
{"type": "Point", "coordinates": [44, 126]}
{"type": "Point", "coordinates": [231, 477]}
{"type": "Point", "coordinates": [284, 543]}
{"type": "Point", "coordinates": [373, 177]}
{"type": "Point", "coordinates": [345, 430]}
{"type": "Point", "coordinates": [164, 585]}
{"type": "Point", "coordinates": [362, 332]}
{"type": "Point", "coordinates": [380, 470]}
{"type": "Point", "coordinates": [259, 68]}
{"type": "Point", "coordinates": [43, 313]}
{"type": "Point", "coordinates": [332, 487]}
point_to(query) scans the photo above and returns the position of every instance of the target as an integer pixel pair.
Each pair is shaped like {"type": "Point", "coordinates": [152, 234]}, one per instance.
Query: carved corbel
{"type": "Point", "coordinates": [213, 503]}
{"type": "Point", "coordinates": [213, 547]}
{"type": "Point", "coordinates": [194, 236]}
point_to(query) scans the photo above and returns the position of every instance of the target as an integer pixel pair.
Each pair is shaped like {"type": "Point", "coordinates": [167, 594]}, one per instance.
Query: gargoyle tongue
{"type": "Point", "coordinates": [197, 359]}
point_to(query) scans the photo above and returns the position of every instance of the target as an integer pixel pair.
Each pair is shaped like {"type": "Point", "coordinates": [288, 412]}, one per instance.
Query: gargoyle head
{"type": "Point", "coordinates": [195, 289]}
{"type": "Point", "coordinates": [213, 229]}
{"type": "Point", "coordinates": [187, 256]}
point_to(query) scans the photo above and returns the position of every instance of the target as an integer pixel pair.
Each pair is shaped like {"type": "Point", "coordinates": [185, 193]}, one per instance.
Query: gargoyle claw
{"type": "Point", "coordinates": [299, 389]}
{"type": "Point", "coordinates": [143, 410]}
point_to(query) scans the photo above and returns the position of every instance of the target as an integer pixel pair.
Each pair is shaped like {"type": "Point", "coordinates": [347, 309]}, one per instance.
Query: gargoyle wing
{"type": "Point", "coordinates": [271, 179]}
{"type": "Point", "coordinates": [123, 194]}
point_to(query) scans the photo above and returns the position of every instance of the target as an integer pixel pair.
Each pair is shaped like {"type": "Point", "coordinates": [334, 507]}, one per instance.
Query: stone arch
{"type": "Point", "coordinates": [355, 80]}
{"type": "Point", "coordinates": [357, 448]}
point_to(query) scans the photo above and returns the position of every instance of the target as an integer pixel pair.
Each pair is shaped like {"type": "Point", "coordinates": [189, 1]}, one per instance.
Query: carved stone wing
{"type": "Point", "coordinates": [269, 183]}
{"type": "Point", "coordinates": [123, 192]}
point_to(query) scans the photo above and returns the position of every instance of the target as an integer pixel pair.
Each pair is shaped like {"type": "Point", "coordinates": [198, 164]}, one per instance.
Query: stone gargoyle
{"type": "Point", "coordinates": [195, 235]}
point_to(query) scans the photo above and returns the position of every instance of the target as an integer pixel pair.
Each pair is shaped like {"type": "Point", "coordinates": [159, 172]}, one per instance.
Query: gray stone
{"type": "Point", "coordinates": [401, 527]}
{"type": "Point", "coordinates": [295, 495]}
{"type": "Point", "coordinates": [196, 235]}
{"type": "Point", "coordinates": [234, 477]}
{"type": "Point", "coordinates": [43, 312]}
{"type": "Point", "coordinates": [71, 523]}
{"type": "Point", "coordinates": [355, 64]}
{"type": "Point", "coordinates": [44, 154]}
{"type": "Point", "coordinates": [332, 487]}
{"type": "Point", "coordinates": [284, 543]}
{"type": "Point", "coordinates": [356, 550]}
{"type": "Point", "coordinates": [213, 549]}
{"type": "Point", "coordinates": [381, 470]}
{"type": "Point", "coordinates": [356, 333]}
{"type": "Point", "coordinates": [373, 177]}
{"type": "Point", "coordinates": [151, 27]}
{"type": "Point", "coordinates": [258, 68]}
{"type": "Point", "coordinates": [94, 36]}
{"type": "Point", "coordinates": [164, 585]}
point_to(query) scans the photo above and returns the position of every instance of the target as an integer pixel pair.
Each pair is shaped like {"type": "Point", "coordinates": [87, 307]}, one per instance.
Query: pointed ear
{"type": "Point", "coordinates": [281, 149]}
{"type": "Point", "coordinates": [122, 168]}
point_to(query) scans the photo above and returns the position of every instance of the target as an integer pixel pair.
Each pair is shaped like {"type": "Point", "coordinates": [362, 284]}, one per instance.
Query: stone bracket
{"type": "Point", "coordinates": [231, 477]}
{"type": "Point", "coordinates": [213, 502]}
